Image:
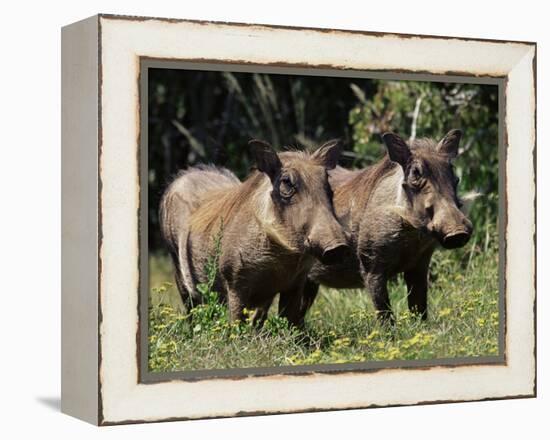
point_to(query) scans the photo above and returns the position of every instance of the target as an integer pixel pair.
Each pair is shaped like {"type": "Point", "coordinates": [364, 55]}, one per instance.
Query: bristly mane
{"type": "Point", "coordinates": [364, 183]}
{"type": "Point", "coordinates": [423, 143]}
{"type": "Point", "coordinates": [224, 204]}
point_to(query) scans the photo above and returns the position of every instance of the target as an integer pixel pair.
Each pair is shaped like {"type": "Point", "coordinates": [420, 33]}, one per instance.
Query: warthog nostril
{"type": "Point", "coordinates": [455, 239]}
{"type": "Point", "coordinates": [335, 254]}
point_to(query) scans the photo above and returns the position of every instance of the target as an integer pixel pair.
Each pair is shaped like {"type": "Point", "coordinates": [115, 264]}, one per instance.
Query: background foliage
{"type": "Point", "coordinates": [199, 116]}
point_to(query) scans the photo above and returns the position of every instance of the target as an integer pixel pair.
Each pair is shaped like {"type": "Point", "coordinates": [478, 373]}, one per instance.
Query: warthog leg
{"type": "Point", "coordinates": [235, 305]}
{"type": "Point", "coordinates": [311, 290]}
{"type": "Point", "coordinates": [376, 285]}
{"type": "Point", "coordinates": [290, 305]}
{"type": "Point", "coordinates": [417, 287]}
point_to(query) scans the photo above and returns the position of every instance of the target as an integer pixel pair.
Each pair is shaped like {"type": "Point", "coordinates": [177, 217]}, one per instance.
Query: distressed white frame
{"type": "Point", "coordinates": [109, 392]}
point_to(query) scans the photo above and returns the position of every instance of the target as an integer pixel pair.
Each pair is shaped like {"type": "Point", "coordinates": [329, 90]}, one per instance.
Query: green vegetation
{"type": "Point", "coordinates": [340, 327]}
{"type": "Point", "coordinates": [208, 117]}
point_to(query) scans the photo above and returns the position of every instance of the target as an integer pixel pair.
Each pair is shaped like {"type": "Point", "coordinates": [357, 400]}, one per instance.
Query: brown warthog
{"type": "Point", "coordinates": [396, 212]}
{"type": "Point", "coordinates": [273, 225]}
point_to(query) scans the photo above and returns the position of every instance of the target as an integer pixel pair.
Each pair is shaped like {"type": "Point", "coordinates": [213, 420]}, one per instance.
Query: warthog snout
{"type": "Point", "coordinates": [451, 227]}
{"type": "Point", "coordinates": [329, 254]}
{"type": "Point", "coordinates": [456, 239]}
{"type": "Point", "coordinates": [459, 235]}
{"type": "Point", "coordinates": [327, 241]}
{"type": "Point", "coordinates": [334, 254]}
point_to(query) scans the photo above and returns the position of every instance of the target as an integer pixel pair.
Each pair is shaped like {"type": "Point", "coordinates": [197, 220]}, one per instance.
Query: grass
{"type": "Point", "coordinates": [340, 327]}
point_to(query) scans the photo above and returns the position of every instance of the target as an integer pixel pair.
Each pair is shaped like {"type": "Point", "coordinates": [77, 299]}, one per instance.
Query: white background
{"type": "Point", "coordinates": [30, 218]}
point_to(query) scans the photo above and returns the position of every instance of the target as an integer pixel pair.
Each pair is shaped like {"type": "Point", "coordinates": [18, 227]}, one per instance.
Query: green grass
{"type": "Point", "coordinates": [340, 327]}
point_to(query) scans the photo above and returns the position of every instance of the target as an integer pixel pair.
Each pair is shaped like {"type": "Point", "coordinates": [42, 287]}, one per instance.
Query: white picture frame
{"type": "Point", "coordinates": [101, 353]}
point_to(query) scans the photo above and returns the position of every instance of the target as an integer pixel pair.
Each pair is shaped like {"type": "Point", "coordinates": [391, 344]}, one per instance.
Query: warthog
{"type": "Point", "coordinates": [273, 226]}
{"type": "Point", "coordinates": [396, 212]}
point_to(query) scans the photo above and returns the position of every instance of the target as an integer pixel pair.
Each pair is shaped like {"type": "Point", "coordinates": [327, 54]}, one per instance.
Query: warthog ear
{"type": "Point", "coordinates": [449, 144]}
{"type": "Point", "coordinates": [267, 160]}
{"type": "Point", "coordinates": [398, 150]}
{"type": "Point", "coordinates": [327, 155]}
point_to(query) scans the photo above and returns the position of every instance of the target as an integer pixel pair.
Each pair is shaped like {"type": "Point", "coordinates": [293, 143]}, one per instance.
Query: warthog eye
{"type": "Point", "coordinates": [286, 188]}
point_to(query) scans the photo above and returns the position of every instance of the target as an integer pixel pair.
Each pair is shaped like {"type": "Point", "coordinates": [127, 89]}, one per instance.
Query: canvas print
{"type": "Point", "coordinates": [306, 220]}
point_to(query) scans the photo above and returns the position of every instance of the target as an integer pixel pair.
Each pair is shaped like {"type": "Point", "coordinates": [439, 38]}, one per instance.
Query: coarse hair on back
{"type": "Point", "coordinates": [203, 167]}
{"type": "Point", "coordinates": [423, 144]}
{"type": "Point", "coordinates": [222, 205]}
{"type": "Point", "coordinates": [362, 186]}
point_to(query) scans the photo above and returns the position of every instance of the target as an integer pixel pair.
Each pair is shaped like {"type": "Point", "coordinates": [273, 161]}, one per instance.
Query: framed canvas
{"type": "Point", "coordinates": [263, 219]}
